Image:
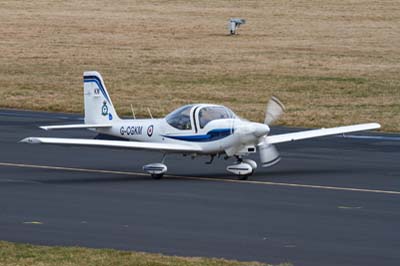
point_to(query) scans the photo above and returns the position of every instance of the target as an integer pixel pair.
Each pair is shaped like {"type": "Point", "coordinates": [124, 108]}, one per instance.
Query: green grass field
{"type": "Point", "coordinates": [12, 254]}
{"type": "Point", "coordinates": [330, 62]}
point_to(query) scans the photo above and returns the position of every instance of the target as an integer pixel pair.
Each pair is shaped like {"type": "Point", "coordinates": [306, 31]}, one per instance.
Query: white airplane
{"type": "Point", "coordinates": [196, 129]}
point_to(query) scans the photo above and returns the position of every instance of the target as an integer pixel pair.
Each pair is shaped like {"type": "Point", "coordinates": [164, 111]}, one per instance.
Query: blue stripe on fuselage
{"type": "Point", "coordinates": [88, 79]}
{"type": "Point", "coordinates": [211, 135]}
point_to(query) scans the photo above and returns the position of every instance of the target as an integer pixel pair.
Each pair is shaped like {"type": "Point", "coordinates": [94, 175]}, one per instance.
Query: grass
{"type": "Point", "coordinates": [330, 62]}
{"type": "Point", "coordinates": [24, 254]}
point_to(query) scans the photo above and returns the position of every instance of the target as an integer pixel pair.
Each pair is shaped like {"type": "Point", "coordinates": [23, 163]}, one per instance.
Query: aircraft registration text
{"type": "Point", "coordinates": [131, 130]}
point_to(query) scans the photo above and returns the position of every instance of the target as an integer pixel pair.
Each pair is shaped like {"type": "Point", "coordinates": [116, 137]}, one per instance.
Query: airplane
{"type": "Point", "coordinates": [191, 130]}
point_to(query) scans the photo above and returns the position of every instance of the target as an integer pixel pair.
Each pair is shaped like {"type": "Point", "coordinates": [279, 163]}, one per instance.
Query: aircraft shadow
{"type": "Point", "coordinates": [271, 175]}
{"type": "Point", "coordinates": [305, 172]}
{"type": "Point", "coordinates": [267, 175]}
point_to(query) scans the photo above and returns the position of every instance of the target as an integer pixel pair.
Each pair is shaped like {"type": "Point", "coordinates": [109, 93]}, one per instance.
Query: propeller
{"type": "Point", "coordinates": [248, 131]}
{"type": "Point", "coordinates": [274, 110]}
{"type": "Point", "coordinates": [269, 155]}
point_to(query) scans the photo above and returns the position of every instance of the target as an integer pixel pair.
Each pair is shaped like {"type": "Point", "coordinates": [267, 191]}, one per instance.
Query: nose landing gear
{"type": "Point", "coordinates": [243, 168]}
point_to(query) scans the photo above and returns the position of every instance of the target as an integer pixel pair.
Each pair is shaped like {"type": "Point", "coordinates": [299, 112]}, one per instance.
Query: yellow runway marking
{"type": "Point", "coordinates": [33, 222]}
{"type": "Point", "coordinates": [297, 185]}
{"type": "Point", "coordinates": [70, 169]}
{"type": "Point", "coordinates": [254, 182]}
{"type": "Point", "coordinates": [349, 207]}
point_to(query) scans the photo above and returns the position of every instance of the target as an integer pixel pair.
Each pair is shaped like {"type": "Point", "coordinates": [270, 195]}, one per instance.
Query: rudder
{"type": "Point", "coordinates": [98, 106]}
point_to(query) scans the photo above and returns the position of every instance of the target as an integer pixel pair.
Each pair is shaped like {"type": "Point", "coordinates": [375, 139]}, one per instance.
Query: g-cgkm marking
{"type": "Point", "coordinates": [131, 130]}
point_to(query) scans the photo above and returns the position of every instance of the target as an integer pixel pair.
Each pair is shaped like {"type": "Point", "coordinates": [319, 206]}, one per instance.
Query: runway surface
{"type": "Point", "coordinates": [330, 201]}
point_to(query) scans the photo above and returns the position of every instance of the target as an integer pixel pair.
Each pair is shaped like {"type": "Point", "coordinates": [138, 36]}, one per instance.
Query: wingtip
{"type": "Point", "coordinates": [24, 140]}
{"type": "Point", "coordinates": [44, 128]}
{"type": "Point", "coordinates": [376, 125]}
{"type": "Point", "coordinates": [30, 140]}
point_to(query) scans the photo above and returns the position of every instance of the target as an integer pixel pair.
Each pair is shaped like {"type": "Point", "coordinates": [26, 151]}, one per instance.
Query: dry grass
{"type": "Point", "coordinates": [27, 255]}
{"type": "Point", "coordinates": [330, 62]}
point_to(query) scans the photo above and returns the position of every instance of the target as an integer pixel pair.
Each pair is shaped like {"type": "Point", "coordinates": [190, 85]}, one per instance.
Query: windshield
{"type": "Point", "coordinates": [180, 118]}
{"type": "Point", "coordinates": [211, 113]}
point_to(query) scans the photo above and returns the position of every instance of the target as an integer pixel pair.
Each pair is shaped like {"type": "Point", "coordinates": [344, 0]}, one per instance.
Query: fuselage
{"type": "Point", "coordinates": [211, 127]}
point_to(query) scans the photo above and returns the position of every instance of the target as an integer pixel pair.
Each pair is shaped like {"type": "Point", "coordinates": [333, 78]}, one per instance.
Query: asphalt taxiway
{"type": "Point", "coordinates": [330, 201]}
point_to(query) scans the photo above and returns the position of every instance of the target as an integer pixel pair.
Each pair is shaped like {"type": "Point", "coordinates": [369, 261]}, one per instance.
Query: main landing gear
{"type": "Point", "coordinates": [243, 168]}
{"type": "Point", "coordinates": [157, 176]}
{"type": "Point", "coordinates": [156, 170]}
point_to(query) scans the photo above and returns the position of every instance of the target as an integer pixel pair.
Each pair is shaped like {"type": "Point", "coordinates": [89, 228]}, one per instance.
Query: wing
{"type": "Point", "coordinates": [76, 126]}
{"type": "Point", "coordinates": [308, 134]}
{"type": "Point", "coordinates": [167, 147]}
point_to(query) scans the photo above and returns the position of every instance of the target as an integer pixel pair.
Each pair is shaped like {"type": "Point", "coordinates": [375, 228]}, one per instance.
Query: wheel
{"type": "Point", "coordinates": [243, 177]}
{"type": "Point", "coordinates": [157, 176]}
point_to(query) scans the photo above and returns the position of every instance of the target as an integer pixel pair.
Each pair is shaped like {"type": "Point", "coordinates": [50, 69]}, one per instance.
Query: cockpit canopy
{"type": "Point", "coordinates": [182, 118]}
{"type": "Point", "coordinates": [210, 113]}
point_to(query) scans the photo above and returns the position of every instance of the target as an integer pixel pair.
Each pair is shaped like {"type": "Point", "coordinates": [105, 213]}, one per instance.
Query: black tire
{"type": "Point", "coordinates": [243, 177]}
{"type": "Point", "coordinates": [157, 176]}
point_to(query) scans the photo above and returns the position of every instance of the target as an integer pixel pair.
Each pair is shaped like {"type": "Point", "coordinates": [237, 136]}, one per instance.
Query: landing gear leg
{"type": "Point", "coordinates": [163, 157]}
{"type": "Point", "coordinates": [239, 159]}
{"type": "Point", "coordinates": [211, 159]}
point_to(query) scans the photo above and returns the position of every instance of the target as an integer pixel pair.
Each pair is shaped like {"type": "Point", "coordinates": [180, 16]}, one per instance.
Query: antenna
{"type": "Point", "coordinates": [133, 112]}
{"type": "Point", "coordinates": [148, 110]}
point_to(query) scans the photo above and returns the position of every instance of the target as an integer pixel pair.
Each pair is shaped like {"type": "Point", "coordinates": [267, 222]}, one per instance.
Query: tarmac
{"type": "Point", "coordinates": [330, 201]}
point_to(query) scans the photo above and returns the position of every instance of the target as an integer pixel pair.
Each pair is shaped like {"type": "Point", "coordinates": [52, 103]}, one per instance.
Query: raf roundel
{"type": "Point", "coordinates": [150, 130]}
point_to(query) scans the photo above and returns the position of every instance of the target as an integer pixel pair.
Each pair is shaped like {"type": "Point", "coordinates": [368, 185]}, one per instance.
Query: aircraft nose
{"type": "Point", "coordinates": [260, 129]}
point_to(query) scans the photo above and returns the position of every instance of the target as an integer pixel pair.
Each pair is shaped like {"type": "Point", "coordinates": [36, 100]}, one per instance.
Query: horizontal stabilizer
{"type": "Point", "coordinates": [76, 126]}
{"type": "Point", "coordinates": [308, 134]}
{"type": "Point", "coordinates": [114, 144]}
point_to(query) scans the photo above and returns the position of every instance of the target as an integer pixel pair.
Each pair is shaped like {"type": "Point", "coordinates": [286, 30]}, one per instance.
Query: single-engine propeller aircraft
{"type": "Point", "coordinates": [195, 129]}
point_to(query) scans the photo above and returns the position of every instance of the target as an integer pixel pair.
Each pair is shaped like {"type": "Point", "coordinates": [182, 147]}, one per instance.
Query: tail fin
{"type": "Point", "coordinates": [98, 106]}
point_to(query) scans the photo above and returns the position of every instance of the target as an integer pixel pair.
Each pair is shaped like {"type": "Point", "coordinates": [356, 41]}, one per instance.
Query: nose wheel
{"type": "Point", "coordinates": [243, 168]}
{"type": "Point", "coordinates": [244, 177]}
{"type": "Point", "coordinates": [157, 176]}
